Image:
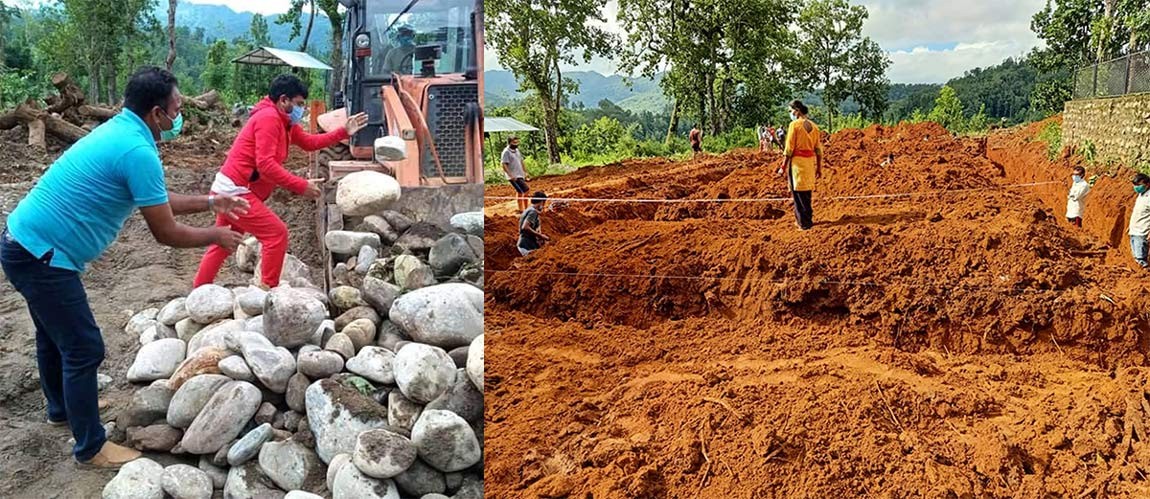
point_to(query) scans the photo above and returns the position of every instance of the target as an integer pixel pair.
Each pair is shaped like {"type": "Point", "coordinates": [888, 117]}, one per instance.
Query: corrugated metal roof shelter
{"type": "Point", "coordinates": [499, 125]}
{"type": "Point", "coordinates": [267, 56]}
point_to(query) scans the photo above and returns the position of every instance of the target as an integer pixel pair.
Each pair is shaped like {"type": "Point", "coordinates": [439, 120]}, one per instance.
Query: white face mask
{"type": "Point", "coordinates": [793, 115]}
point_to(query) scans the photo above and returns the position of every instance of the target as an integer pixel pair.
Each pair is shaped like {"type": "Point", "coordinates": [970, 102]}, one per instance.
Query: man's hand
{"type": "Point", "coordinates": [227, 238]}
{"type": "Point", "coordinates": [231, 206]}
{"type": "Point", "coordinates": [355, 123]}
{"type": "Point", "coordinates": [313, 191]}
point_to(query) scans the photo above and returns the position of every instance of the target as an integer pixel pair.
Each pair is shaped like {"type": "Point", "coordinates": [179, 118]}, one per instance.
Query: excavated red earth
{"type": "Point", "coordinates": [968, 343]}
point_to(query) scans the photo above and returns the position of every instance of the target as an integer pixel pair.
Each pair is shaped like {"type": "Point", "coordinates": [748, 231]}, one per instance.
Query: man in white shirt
{"type": "Point", "coordinates": [1079, 188]}
{"type": "Point", "coordinates": [1140, 219]}
{"type": "Point", "coordinates": [512, 161]}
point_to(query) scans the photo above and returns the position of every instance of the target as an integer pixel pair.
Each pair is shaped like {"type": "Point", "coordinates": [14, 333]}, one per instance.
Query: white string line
{"type": "Point", "coordinates": [778, 199]}
{"type": "Point", "coordinates": [781, 281]}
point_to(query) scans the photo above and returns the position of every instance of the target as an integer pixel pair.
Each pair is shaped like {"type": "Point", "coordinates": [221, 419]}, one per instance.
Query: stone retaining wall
{"type": "Point", "coordinates": [1119, 127]}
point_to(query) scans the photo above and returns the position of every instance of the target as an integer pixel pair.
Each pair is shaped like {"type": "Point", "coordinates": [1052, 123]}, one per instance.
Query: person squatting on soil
{"type": "Point", "coordinates": [530, 237]}
{"type": "Point", "coordinates": [696, 138]}
{"type": "Point", "coordinates": [254, 168]}
{"type": "Point", "coordinates": [512, 160]}
{"type": "Point", "coordinates": [70, 217]}
{"type": "Point", "coordinates": [1140, 219]}
{"type": "Point", "coordinates": [1079, 188]}
{"type": "Point", "coordinates": [803, 162]}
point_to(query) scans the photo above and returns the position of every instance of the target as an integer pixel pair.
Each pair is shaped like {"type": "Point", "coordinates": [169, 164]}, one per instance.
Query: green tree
{"type": "Point", "coordinates": [979, 121]}
{"type": "Point", "coordinates": [600, 136]}
{"type": "Point", "coordinates": [294, 17]}
{"type": "Point", "coordinates": [217, 69]}
{"type": "Point", "coordinates": [259, 31]}
{"type": "Point", "coordinates": [6, 15]}
{"type": "Point", "coordinates": [947, 110]}
{"type": "Point", "coordinates": [101, 31]}
{"type": "Point", "coordinates": [534, 41]}
{"type": "Point", "coordinates": [335, 17]}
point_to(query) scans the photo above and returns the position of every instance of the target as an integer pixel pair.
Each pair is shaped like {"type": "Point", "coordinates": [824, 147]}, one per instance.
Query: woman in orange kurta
{"type": "Point", "coordinates": [803, 163]}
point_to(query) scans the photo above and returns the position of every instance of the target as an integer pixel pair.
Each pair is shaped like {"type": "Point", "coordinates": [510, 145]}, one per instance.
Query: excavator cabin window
{"type": "Point", "coordinates": [396, 33]}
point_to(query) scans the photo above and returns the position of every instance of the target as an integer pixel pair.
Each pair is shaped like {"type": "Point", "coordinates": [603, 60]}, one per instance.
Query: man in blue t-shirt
{"type": "Point", "coordinates": [69, 218]}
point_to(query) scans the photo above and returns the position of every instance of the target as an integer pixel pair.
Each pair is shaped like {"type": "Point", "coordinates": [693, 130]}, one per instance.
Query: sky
{"type": "Point", "coordinates": [928, 41]}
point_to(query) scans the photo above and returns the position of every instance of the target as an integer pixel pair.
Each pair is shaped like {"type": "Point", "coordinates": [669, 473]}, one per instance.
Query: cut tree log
{"type": "Point", "coordinates": [204, 102]}
{"type": "Point", "coordinates": [97, 112]}
{"type": "Point", "coordinates": [70, 94]}
{"type": "Point", "coordinates": [36, 135]}
{"type": "Point", "coordinates": [29, 112]}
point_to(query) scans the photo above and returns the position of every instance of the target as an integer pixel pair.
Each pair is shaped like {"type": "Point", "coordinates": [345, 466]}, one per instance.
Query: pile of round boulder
{"type": "Point", "coordinates": [373, 390]}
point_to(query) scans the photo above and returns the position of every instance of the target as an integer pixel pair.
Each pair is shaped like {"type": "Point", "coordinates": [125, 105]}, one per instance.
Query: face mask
{"type": "Point", "coordinates": [406, 41]}
{"type": "Point", "coordinates": [794, 116]}
{"type": "Point", "coordinates": [1077, 178]}
{"type": "Point", "coordinates": [177, 126]}
{"type": "Point", "coordinates": [1140, 189]}
{"type": "Point", "coordinates": [296, 114]}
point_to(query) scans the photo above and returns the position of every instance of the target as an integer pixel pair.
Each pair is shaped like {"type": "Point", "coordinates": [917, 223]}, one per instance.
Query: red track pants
{"type": "Point", "coordinates": [268, 229]}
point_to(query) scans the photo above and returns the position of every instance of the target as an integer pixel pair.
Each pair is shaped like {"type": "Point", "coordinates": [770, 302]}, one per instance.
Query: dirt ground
{"type": "Point", "coordinates": [134, 274]}
{"type": "Point", "coordinates": [952, 345]}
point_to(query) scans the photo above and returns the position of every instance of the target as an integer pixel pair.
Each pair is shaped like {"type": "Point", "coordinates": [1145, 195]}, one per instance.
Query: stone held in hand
{"type": "Point", "coordinates": [423, 372]}
{"type": "Point", "coordinates": [291, 317]}
{"type": "Point", "coordinates": [182, 481]}
{"type": "Point", "coordinates": [445, 441]}
{"type": "Point", "coordinates": [209, 303]}
{"type": "Point", "coordinates": [222, 417]}
{"type": "Point", "coordinates": [157, 360]}
{"type": "Point", "coordinates": [247, 254]}
{"type": "Point", "coordinates": [475, 362]}
{"type": "Point", "coordinates": [375, 364]}
{"type": "Point", "coordinates": [383, 453]}
{"type": "Point", "coordinates": [345, 242]}
{"type": "Point", "coordinates": [445, 315]}
{"type": "Point", "coordinates": [138, 479]}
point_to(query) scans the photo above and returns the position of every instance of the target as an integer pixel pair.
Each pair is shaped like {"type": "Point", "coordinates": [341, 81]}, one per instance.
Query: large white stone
{"type": "Point", "coordinates": [445, 441]}
{"type": "Point", "coordinates": [375, 364]}
{"type": "Point", "coordinates": [337, 414]}
{"type": "Point", "coordinates": [446, 315]}
{"type": "Point", "coordinates": [209, 303]}
{"type": "Point", "coordinates": [350, 483]}
{"type": "Point", "coordinates": [475, 362]}
{"type": "Point", "coordinates": [175, 311]}
{"type": "Point", "coordinates": [187, 482]}
{"type": "Point", "coordinates": [366, 193]}
{"type": "Point", "coordinates": [470, 222]}
{"type": "Point", "coordinates": [157, 360]}
{"type": "Point", "coordinates": [345, 242]}
{"type": "Point", "coordinates": [292, 465]}
{"type": "Point", "coordinates": [423, 372]}
{"type": "Point", "coordinates": [291, 317]}
{"type": "Point", "coordinates": [222, 418]}
{"type": "Point", "coordinates": [191, 398]}
{"type": "Point", "coordinates": [383, 453]}
{"type": "Point", "coordinates": [138, 479]}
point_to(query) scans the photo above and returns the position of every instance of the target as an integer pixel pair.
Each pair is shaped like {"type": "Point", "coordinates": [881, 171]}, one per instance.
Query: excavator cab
{"type": "Point", "coordinates": [414, 66]}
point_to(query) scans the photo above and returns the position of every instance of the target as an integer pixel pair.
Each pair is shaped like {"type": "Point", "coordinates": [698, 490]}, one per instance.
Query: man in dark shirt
{"type": "Point", "coordinates": [696, 138]}
{"type": "Point", "coordinates": [530, 238]}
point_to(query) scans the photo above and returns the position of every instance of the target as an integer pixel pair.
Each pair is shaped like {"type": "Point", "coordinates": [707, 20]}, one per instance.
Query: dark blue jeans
{"type": "Point", "coordinates": [69, 347]}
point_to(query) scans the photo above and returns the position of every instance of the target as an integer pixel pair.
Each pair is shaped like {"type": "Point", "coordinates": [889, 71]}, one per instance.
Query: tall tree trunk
{"type": "Point", "coordinates": [171, 34]}
{"type": "Point", "coordinates": [674, 125]}
{"type": "Point", "coordinates": [310, 22]}
{"type": "Point", "coordinates": [336, 55]}
{"type": "Point", "coordinates": [711, 103]}
{"type": "Point", "coordinates": [111, 86]}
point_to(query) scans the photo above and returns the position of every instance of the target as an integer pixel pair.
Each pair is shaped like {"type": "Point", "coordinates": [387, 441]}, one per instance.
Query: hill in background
{"type": "Point", "coordinates": [221, 22]}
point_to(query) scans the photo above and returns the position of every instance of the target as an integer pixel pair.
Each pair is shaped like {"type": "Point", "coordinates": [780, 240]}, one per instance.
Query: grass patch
{"type": "Point", "coordinates": [1051, 134]}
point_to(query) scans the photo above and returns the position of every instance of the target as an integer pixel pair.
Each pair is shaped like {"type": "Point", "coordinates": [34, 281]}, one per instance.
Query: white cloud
{"type": "Point", "coordinates": [265, 7]}
{"type": "Point", "coordinates": [923, 65]}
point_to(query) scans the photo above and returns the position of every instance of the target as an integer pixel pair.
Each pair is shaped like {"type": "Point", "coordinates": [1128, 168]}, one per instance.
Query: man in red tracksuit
{"type": "Point", "coordinates": [254, 168]}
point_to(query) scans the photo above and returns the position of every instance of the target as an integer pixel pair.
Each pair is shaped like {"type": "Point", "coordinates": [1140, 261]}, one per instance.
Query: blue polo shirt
{"type": "Point", "coordinates": [82, 201]}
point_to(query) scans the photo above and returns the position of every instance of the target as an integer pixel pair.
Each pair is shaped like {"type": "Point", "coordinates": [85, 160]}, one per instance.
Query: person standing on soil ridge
{"type": "Point", "coordinates": [1140, 219]}
{"type": "Point", "coordinates": [70, 217]}
{"type": "Point", "coordinates": [530, 238]}
{"type": "Point", "coordinates": [255, 167]}
{"type": "Point", "coordinates": [512, 160]}
{"type": "Point", "coordinates": [803, 162]}
{"type": "Point", "coordinates": [1079, 188]}
{"type": "Point", "coordinates": [696, 138]}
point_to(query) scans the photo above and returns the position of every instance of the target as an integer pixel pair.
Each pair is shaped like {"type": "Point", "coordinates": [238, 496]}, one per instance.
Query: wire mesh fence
{"type": "Point", "coordinates": [1128, 74]}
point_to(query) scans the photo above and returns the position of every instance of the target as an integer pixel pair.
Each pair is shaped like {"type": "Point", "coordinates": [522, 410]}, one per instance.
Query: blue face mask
{"type": "Point", "coordinates": [296, 114]}
{"type": "Point", "coordinates": [1077, 178]}
{"type": "Point", "coordinates": [406, 41]}
{"type": "Point", "coordinates": [177, 126]}
{"type": "Point", "coordinates": [1140, 189]}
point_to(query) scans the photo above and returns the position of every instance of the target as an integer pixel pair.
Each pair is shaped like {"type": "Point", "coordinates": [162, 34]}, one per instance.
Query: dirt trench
{"type": "Point", "coordinates": [960, 341]}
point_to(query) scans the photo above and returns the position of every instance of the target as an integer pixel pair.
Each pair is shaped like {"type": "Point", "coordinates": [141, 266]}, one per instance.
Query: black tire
{"type": "Point", "coordinates": [338, 152]}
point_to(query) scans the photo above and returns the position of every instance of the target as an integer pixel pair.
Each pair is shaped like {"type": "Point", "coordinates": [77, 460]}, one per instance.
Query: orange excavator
{"type": "Point", "coordinates": [415, 67]}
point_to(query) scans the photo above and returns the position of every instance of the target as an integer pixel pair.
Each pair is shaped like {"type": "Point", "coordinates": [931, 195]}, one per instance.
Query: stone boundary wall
{"type": "Point", "coordinates": [1119, 127]}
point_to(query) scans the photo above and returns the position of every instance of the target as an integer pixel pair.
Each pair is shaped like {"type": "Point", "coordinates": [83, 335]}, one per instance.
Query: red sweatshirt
{"type": "Point", "coordinates": [262, 146]}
